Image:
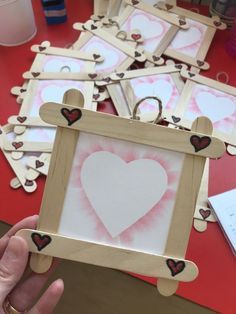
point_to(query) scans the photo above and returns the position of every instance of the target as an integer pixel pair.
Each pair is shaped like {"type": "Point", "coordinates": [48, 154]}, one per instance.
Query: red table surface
{"type": "Point", "coordinates": [215, 285]}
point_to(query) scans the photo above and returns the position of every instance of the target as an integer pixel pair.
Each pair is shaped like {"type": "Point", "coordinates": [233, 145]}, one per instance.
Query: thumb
{"type": "Point", "coordinates": [12, 265]}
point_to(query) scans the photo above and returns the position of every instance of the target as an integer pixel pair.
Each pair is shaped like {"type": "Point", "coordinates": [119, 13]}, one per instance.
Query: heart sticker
{"type": "Point", "coordinates": [92, 75]}
{"type": "Point", "coordinates": [205, 213]}
{"type": "Point", "coordinates": [136, 36]}
{"type": "Point", "coordinates": [41, 48]}
{"type": "Point", "coordinates": [41, 241]}
{"type": "Point", "coordinates": [71, 115]}
{"type": "Point", "coordinates": [130, 185]}
{"type": "Point", "coordinates": [175, 267]}
{"type": "Point", "coordinates": [35, 74]}
{"type": "Point", "coordinates": [175, 119]}
{"type": "Point", "coordinates": [200, 143]}
{"type": "Point", "coordinates": [22, 90]}
{"type": "Point", "coordinates": [120, 75]}
{"type": "Point", "coordinates": [29, 183]}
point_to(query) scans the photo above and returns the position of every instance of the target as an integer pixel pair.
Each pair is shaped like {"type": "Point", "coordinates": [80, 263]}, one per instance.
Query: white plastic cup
{"type": "Point", "coordinates": [17, 23]}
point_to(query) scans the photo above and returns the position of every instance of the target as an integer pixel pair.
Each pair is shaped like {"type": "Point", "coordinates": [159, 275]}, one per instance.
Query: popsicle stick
{"type": "Point", "coordinates": [15, 183]}
{"type": "Point", "coordinates": [78, 76]}
{"type": "Point", "coordinates": [25, 146]}
{"type": "Point", "coordinates": [77, 54]}
{"type": "Point", "coordinates": [231, 150]}
{"type": "Point", "coordinates": [113, 8]}
{"type": "Point", "coordinates": [132, 130]}
{"type": "Point", "coordinates": [28, 121]}
{"type": "Point", "coordinates": [100, 7]}
{"type": "Point", "coordinates": [18, 91]}
{"type": "Point", "coordinates": [107, 256]}
{"type": "Point", "coordinates": [39, 164]}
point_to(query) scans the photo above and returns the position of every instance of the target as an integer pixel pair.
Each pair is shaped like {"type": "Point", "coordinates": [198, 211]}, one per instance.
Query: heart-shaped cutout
{"type": "Point", "coordinates": [122, 193]}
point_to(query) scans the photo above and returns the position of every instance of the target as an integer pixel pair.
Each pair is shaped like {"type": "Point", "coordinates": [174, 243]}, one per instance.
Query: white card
{"type": "Point", "coordinates": [224, 206]}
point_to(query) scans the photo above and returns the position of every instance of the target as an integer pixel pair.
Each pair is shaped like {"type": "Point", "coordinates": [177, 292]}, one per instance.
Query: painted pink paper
{"type": "Point", "coordinates": [219, 107]}
{"type": "Point", "coordinates": [189, 41]}
{"type": "Point", "coordinates": [113, 57]}
{"type": "Point", "coordinates": [152, 28]}
{"type": "Point", "coordinates": [149, 233]}
{"type": "Point", "coordinates": [161, 86]}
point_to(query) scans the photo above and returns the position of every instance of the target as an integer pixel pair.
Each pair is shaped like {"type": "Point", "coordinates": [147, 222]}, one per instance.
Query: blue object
{"type": "Point", "coordinates": [54, 11]}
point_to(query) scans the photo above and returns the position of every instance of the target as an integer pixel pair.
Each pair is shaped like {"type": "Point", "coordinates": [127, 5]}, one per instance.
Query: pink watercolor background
{"type": "Point", "coordinates": [152, 28]}
{"type": "Point", "coordinates": [79, 219]}
{"type": "Point", "coordinates": [193, 111]}
{"type": "Point", "coordinates": [189, 41]}
{"type": "Point", "coordinates": [161, 86]}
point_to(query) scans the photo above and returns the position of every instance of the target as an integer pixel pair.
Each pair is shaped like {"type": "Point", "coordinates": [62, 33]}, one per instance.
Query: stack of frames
{"type": "Point", "coordinates": [146, 57]}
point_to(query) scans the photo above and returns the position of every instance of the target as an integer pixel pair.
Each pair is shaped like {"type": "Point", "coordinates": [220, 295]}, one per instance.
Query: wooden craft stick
{"type": "Point", "coordinates": [100, 7]}
{"type": "Point", "coordinates": [183, 212]}
{"type": "Point", "coordinates": [77, 54]}
{"type": "Point", "coordinates": [107, 256]}
{"type": "Point", "coordinates": [209, 82]}
{"type": "Point", "coordinates": [25, 146]}
{"type": "Point", "coordinates": [108, 37]}
{"type": "Point", "coordinates": [125, 75]}
{"type": "Point", "coordinates": [113, 8]}
{"type": "Point", "coordinates": [213, 22]}
{"type": "Point", "coordinates": [18, 91]}
{"type": "Point", "coordinates": [78, 76]}
{"type": "Point", "coordinates": [175, 20]}
{"type": "Point", "coordinates": [15, 183]}
{"type": "Point", "coordinates": [32, 174]}
{"type": "Point", "coordinates": [28, 121]}
{"type": "Point", "coordinates": [130, 130]}
{"type": "Point", "coordinates": [51, 207]}
{"type": "Point", "coordinates": [171, 53]}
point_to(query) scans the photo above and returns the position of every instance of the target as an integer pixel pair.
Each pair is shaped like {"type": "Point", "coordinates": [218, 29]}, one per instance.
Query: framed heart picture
{"type": "Point", "coordinates": [202, 96]}
{"type": "Point", "coordinates": [48, 79]}
{"type": "Point", "coordinates": [157, 27]}
{"type": "Point", "coordinates": [131, 212]}
{"type": "Point", "coordinates": [163, 82]}
{"type": "Point", "coordinates": [191, 45]}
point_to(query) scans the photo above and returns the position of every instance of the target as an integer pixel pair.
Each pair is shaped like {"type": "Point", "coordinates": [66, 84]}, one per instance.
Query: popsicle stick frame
{"type": "Point", "coordinates": [164, 82]}
{"type": "Point", "coordinates": [191, 46]}
{"type": "Point", "coordinates": [18, 166]}
{"type": "Point", "coordinates": [215, 100]}
{"type": "Point", "coordinates": [50, 84]}
{"type": "Point", "coordinates": [130, 240]}
{"type": "Point", "coordinates": [157, 27]}
{"type": "Point", "coordinates": [117, 53]}
{"type": "Point", "coordinates": [100, 7]}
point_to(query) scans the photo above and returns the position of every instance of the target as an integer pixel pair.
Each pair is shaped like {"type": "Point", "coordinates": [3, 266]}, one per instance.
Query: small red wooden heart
{"type": "Point", "coordinates": [17, 145]}
{"type": "Point", "coordinates": [41, 241]}
{"type": "Point", "coordinates": [200, 143]}
{"type": "Point", "coordinates": [21, 119]}
{"type": "Point", "coordinates": [136, 36]}
{"type": "Point", "coordinates": [175, 267]}
{"type": "Point", "coordinates": [71, 115]}
{"type": "Point", "coordinates": [205, 213]}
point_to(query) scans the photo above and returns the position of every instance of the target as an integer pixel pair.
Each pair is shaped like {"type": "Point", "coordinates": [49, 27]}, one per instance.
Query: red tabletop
{"type": "Point", "coordinates": [215, 285]}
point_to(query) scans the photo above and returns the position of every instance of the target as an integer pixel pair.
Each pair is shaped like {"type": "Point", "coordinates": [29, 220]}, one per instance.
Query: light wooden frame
{"type": "Point", "coordinates": [124, 105]}
{"type": "Point", "coordinates": [194, 79]}
{"type": "Point", "coordinates": [17, 166]}
{"type": "Point", "coordinates": [212, 25]}
{"type": "Point", "coordinates": [154, 57]}
{"type": "Point", "coordinates": [22, 121]}
{"type": "Point", "coordinates": [171, 267]}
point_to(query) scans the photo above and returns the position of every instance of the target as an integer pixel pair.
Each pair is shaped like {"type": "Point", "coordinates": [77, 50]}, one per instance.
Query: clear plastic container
{"type": "Point", "coordinates": [17, 23]}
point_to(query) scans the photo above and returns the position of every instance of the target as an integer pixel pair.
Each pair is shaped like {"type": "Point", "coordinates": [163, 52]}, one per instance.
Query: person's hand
{"type": "Point", "coordinates": [21, 295]}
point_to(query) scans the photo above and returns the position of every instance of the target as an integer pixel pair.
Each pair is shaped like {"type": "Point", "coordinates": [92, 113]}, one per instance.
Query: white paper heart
{"type": "Point", "coordinates": [56, 65]}
{"type": "Point", "coordinates": [216, 108]}
{"type": "Point", "coordinates": [186, 38]}
{"type": "Point", "coordinates": [161, 89]}
{"type": "Point", "coordinates": [121, 193]}
{"type": "Point", "coordinates": [148, 28]}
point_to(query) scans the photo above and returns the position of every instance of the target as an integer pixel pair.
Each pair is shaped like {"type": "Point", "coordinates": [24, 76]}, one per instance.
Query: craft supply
{"type": "Point", "coordinates": [224, 206]}
{"type": "Point", "coordinates": [54, 11]}
{"type": "Point", "coordinates": [17, 24]}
